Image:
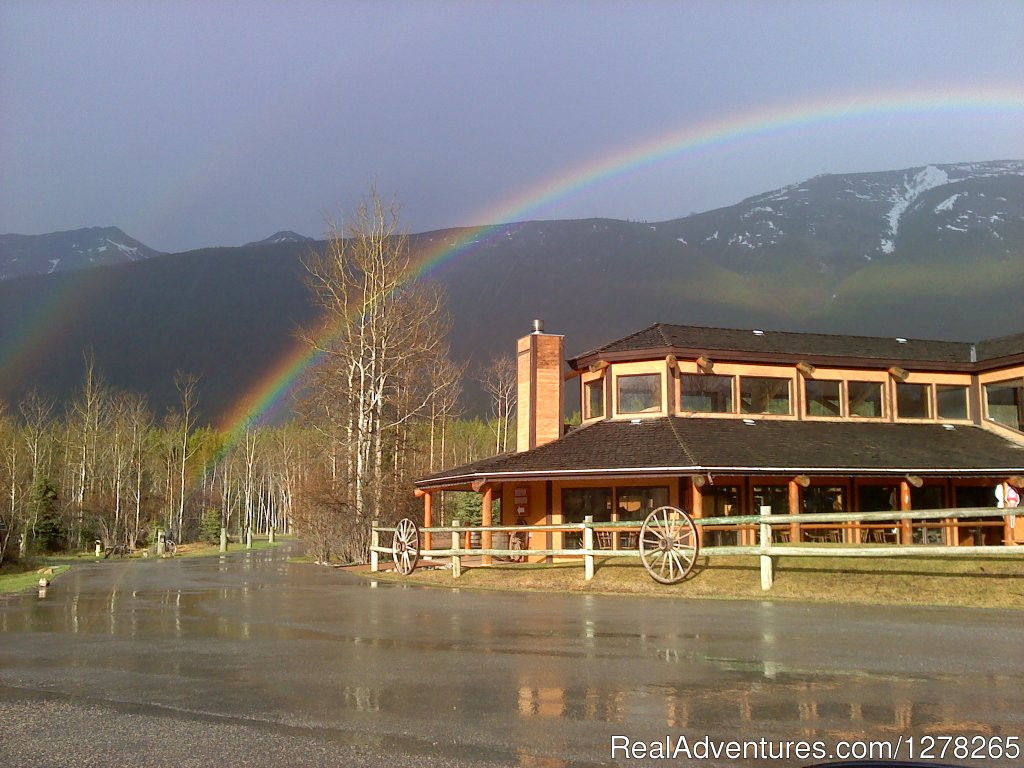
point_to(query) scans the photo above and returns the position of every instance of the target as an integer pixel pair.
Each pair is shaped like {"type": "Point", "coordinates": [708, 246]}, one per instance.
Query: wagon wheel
{"type": "Point", "coordinates": [668, 545]}
{"type": "Point", "coordinates": [405, 547]}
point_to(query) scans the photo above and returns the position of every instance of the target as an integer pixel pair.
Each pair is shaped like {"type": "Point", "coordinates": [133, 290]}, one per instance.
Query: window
{"type": "Point", "coordinates": [577, 503]}
{"type": "Point", "coordinates": [706, 393]}
{"type": "Point", "coordinates": [951, 401]}
{"type": "Point", "coordinates": [878, 498]}
{"type": "Point", "coordinates": [912, 401]}
{"type": "Point", "coordinates": [823, 398]}
{"type": "Point", "coordinates": [721, 501]}
{"type": "Point", "coordinates": [638, 503]}
{"type": "Point", "coordinates": [594, 399]}
{"type": "Point", "coordinates": [864, 399]}
{"type": "Point", "coordinates": [640, 394]}
{"type": "Point", "coordinates": [1005, 403]}
{"type": "Point", "coordinates": [774, 496]}
{"type": "Point", "coordinates": [760, 394]}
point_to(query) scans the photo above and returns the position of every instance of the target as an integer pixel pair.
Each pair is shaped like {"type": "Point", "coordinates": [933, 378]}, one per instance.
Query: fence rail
{"type": "Point", "coordinates": [766, 548]}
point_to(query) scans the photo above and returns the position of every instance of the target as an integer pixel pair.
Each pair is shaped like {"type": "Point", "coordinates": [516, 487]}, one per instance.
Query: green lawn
{"type": "Point", "coordinates": [989, 582]}
{"type": "Point", "coordinates": [13, 578]}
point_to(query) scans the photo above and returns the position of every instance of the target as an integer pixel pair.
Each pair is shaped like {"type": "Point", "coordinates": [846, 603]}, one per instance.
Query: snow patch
{"type": "Point", "coordinates": [53, 265]}
{"type": "Point", "coordinates": [682, 240]}
{"type": "Point", "coordinates": [902, 197]}
{"type": "Point", "coordinates": [947, 204]}
{"type": "Point", "coordinates": [129, 250]}
{"type": "Point", "coordinates": [711, 237]}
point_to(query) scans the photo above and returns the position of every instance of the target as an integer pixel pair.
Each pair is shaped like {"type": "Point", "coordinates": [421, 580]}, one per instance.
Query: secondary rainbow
{"type": "Point", "coordinates": [268, 395]}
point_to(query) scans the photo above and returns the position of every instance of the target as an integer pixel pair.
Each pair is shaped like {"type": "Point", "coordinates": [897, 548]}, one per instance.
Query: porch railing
{"type": "Point", "coordinates": [766, 524]}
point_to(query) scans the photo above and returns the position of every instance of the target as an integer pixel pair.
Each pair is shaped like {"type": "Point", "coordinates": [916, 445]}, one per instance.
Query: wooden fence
{"type": "Point", "coordinates": [766, 548]}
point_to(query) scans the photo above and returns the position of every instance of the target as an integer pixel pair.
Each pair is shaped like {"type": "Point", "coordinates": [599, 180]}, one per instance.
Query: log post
{"type": "Point", "coordinates": [697, 504]}
{"type": "Point", "coordinates": [374, 542]}
{"type": "Point", "coordinates": [486, 520]}
{"type": "Point", "coordinates": [456, 559]}
{"type": "Point", "coordinates": [588, 546]}
{"type": "Point", "coordinates": [794, 511]}
{"type": "Point", "coordinates": [428, 520]}
{"type": "Point", "coordinates": [906, 534]}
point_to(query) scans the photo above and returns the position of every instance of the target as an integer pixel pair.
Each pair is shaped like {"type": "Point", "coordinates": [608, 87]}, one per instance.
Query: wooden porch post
{"type": "Point", "coordinates": [794, 509]}
{"type": "Point", "coordinates": [428, 519]}
{"type": "Point", "coordinates": [698, 507]}
{"type": "Point", "coordinates": [906, 537]}
{"type": "Point", "coordinates": [485, 536]}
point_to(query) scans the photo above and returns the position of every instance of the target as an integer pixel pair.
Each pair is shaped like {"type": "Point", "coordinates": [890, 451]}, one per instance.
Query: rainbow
{"type": "Point", "coordinates": [268, 395]}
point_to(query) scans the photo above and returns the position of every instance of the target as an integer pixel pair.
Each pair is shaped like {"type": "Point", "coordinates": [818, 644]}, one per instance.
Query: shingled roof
{"type": "Point", "coordinates": [679, 445]}
{"type": "Point", "coordinates": [663, 337]}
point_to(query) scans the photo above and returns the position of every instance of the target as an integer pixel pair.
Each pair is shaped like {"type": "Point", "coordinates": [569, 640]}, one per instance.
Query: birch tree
{"type": "Point", "coordinates": [381, 336]}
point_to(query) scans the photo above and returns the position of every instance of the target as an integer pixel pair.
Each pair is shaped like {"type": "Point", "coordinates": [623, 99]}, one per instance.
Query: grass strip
{"type": "Point", "coordinates": [14, 578]}
{"type": "Point", "coordinates": [967, 582]}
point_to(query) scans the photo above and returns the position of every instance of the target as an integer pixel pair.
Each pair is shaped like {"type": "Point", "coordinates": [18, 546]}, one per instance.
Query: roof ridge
{"type": "Point", "coordinates": [679, 441]}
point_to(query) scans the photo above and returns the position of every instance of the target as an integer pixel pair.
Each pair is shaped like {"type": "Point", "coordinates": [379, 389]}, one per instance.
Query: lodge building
{"type": "Point", "coordinates": [722, 422]}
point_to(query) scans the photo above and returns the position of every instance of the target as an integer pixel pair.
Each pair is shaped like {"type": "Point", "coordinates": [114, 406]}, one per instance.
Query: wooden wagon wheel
{"type": "Point", "coordinates": [405, 547]}
{"type": "Point", "coordinates": [668, 545]}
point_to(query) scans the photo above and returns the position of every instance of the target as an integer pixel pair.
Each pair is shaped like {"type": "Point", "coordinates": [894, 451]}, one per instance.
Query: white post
{"type": "Point", "coordinates": [160, 538]}
{"type": "Point", "coordinates": [766, 541]}
{"type": "Point", "coordinates": [248, 537]}
{"type": "Point", "coordinates": [223, 539]}
{"type": "Point", "coordinates": [271, 534]}
{"type": "Point", "coordinates": [99, 548]}
{"type": "Point", "coordinates": [588, 546]}
{"type": "Point", "coordinates": [456, 560]}
{"type": "Point", "coordinates": [374, 542]}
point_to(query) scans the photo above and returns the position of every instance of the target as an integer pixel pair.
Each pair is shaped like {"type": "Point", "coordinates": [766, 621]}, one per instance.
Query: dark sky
{"type": "Point", "coordinates": [201, 123]}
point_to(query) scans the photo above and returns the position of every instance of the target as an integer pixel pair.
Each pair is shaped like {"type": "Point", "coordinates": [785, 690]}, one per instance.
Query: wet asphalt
{"type": "Point", "coordinates": [251, 660]}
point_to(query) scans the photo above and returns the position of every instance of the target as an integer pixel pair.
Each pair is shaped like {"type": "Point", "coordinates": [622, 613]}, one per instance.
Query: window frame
{"type": "Point", "coordinates": [789, 395]}
{"type": "Point", "coordinates": [659, 407]}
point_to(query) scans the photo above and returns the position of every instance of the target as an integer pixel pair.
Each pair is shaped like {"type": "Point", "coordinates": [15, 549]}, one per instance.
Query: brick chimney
{"type": "Point", "coordinates": [539, 414]}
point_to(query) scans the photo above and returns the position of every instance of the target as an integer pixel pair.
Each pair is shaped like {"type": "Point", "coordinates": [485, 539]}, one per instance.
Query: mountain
{"type": "Point", "coordinates": [22, 255]}
{"type": "Point", "coordinates": [935, 252]}
{"type": "Point", "coordinates": [284, 236]}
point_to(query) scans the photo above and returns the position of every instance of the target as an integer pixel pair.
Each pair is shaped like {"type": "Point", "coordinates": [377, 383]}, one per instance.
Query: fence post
{"type": "Point", "coordinates": [767, 576]}
{"type": "Point", "coordinates": [588, 545]}
{"type": "Point", "coordinates": [374, 542]}
{"type": "Point", "coordinates": [456, 559]}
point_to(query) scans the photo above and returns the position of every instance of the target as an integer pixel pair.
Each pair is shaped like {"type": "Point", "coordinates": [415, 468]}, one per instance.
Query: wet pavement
{"type": "Point", "coordinates": [250, 660]}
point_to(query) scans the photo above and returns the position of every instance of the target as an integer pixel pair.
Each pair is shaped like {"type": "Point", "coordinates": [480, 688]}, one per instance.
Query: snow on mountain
{"type": "Point", "coordinates": [23, 255]}
{"type": "Point", "coordinates": [901, 198]}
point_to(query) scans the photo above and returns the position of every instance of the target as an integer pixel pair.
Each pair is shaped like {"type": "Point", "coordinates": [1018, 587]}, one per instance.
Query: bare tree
{"type": "Point", "coordinates": [381, 330]}
{"type": "Point", "coordinates": [499, 381]}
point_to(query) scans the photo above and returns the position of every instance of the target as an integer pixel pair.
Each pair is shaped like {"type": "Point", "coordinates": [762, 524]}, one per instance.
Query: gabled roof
{"type": "Point", "coordinates": [662, 338]}
{"type": "Point", "coordinates": [680, 445]}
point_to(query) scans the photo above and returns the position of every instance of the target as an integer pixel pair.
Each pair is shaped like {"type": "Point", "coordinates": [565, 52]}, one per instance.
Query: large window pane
{"type": "Point", "coordinates": [637, 503]}
{"type": "Point", "coordinates": [706, 393]}
{"type": "Point", "coordinates": [774, 496]}
{"type": "Point", "coordinates": [760, 394]}
{"type": "Point", "coordinates": [580, 502]}
{"type": "Point", "coordinates": [640, 394]}
{"type": "Point", "coordinates": [721, 501]}
{"type": "Point", "coordinates": [864, 399]}
{"type": "Point", "coordinates": [951, 401]}
{"type": "Point", "coordinates": [822, 398]}
{"type": "Point", "coordinates": [912, 401]}
{"type": "Point", "coordinates": [595, 399]}
{"type": "Point", "coordinates": [1005, 401]}
{"type": "Point", "coordinates": [878, 498]}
